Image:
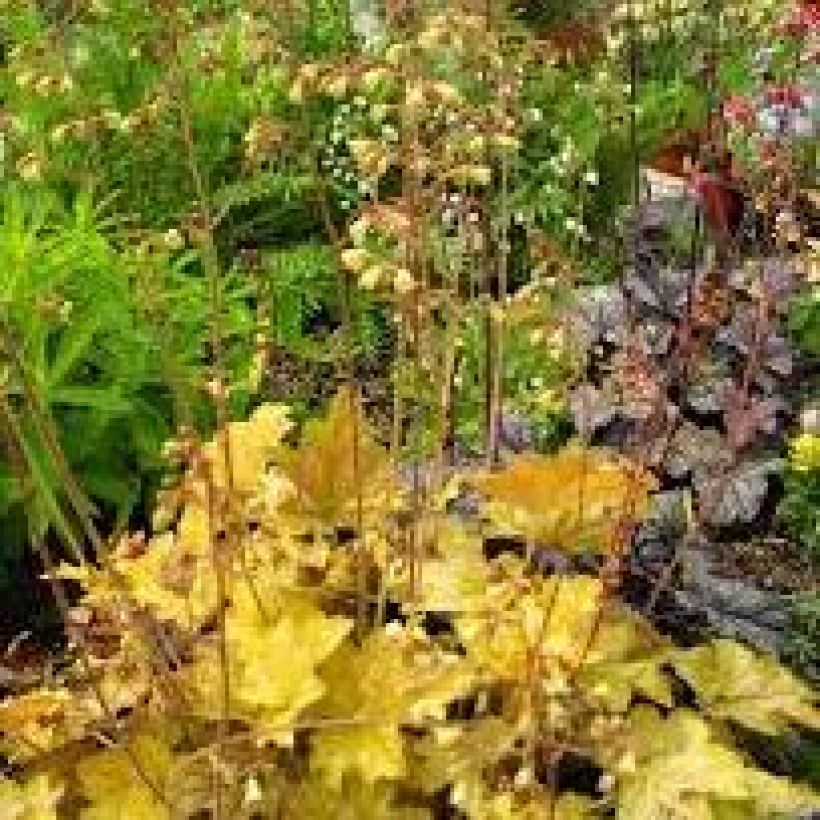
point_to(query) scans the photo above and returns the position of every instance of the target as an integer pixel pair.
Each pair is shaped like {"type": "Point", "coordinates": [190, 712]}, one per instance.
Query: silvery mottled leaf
{"type": "Point", "coordinates": [641, 291]}
{"type": "Point", "coordinates": [694, 450]}
{"type": "Point", "coordinates": [703, 397]}
{"type": "Point", "coordinates": [780, 277]}
{"type": "Point", "coordinates": [658, 337]}
{"type": "Point", "coordinates": [735, 495]}
{"type": "Point", "coordinates": [668, 511]}
{"type": "Point", "coordinates": [591, 409]}
{"type": "Point", "coordinates": [778, 355]}
{"type": "Point", "coordinates": [767, 383]}
{"type": "Point", "coordinates": [738, 278]}
{"type": "Point", "coordinates": [746, 415]}
{"type": "Point", "coordinates": [599, 316]}
{"type": "Point", "coordinates": [515, 432]}
{"type": "Point", "coordinates": [658, 286]}
{"type": "Point", "coordinates": [740, 331]}
{"type": "Point", "coordinates": [739, 335]}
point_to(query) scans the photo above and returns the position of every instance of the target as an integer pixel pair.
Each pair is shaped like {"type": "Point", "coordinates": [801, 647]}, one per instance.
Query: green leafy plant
{"type": "Point", "coordinates": [802, 492]}
{"type": "Point", "coordinates": [804, 321]}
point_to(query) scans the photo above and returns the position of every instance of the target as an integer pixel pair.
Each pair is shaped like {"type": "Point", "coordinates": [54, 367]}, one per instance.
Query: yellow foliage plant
{"type": "Point", "coordinates": [265, 696]}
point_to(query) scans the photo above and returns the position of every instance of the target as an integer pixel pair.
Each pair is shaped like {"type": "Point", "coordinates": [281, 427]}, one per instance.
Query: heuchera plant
{"type": "Point", "coordinates": [217, 667]}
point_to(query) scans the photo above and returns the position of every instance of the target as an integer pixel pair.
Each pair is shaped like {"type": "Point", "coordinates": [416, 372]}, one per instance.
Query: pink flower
{"type": "Point", "coordinates": [738, 110]}
{"type": "Point", "coordinates": [802, 21]}
{"type": "Point", "coordinates": [768, 152]}
{"type": "Point", "coordinates": [789, 95]}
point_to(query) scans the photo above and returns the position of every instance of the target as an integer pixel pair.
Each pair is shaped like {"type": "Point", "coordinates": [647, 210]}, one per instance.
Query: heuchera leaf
{"type": "Point", "coordinates": [272, 661]}
{"type": "Point", "coordinates": [109, 782]}
{"type": "Point", "coordinates": [456, 579]}
{"type": "Point", "coordinates": [327, 476]}
{"type": "Point", "coordinates": [395, 678]}
{"type": "Point", "coordinates": [734, 683]}
{"type": "Point", "coordinates": [675, 768]}
{"type": "Point", "coordinates": [36, 799]}
{"type": "Point", "coordinates": [735, 493]}
{"type": "Point", "coordinates": [246, 447]}
{"type": "Point", "coordinates": [573, 501]}
{"type": "Point", "coordinates": [43, 719]}
{"type": "Point", "coordinates": [553, 620]}
{"type": "Point", "coordinates": [314, 800]}
{"type": "Point", "coordinates": [626, 658]}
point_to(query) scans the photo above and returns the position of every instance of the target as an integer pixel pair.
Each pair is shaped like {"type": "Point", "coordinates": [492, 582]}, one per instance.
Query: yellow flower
{"type": "Point", "coordinates": [370, 278]}
{"type": "Point", "coordinates": [30, 167]}
{"type": "Point", "coordinates": [506, 142]}
{"type": "Point", "coordinates": [403, 281]}
{"type": "Point", "coordinates": [336, 87]}
{"type": "Point", "coordinates": [374, 77]}
{"type": "Point", "coordinates": [805, 453]}
{"type": "Point", "coordinates": [394, 55]}
{"type": "Point", "coordinates": [370, 156]}
{"type": "Point", "coordinates": [354, 259]}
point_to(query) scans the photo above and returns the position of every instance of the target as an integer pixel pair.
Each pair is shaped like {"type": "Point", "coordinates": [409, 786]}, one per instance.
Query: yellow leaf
{"type": "Point", "coordinates": [572, 806]}
{"type": "Point", "coordinates": [39, 721]}
{"type": "Point", "coordinates": [555, 620]}
{"type": "Point", "coordinates": [110, 782]}
{"type": "Point", "coordinates": [681, 772]}
{"type": "Point", "coordinates": [173, 577]}
{"type": "Point", "coordinates": [394, 679]}
{"type": "Point", "coordinates": [272, 660]}
{"type": "Point", "coordinates": [244, 448]}
{"type": "Point", "coordinates": [626, 658]}
{"type": "Point", "coordinates": [573, 501]}
{"type": "Point", "coordinates": [456, 580]}
{"type": "Point", "coordinates": [396, 675]}
{"type": "Point", "coordinates": [734, 683]}
{"type": "Point", "coordinates": [35, 799]}
{"type": "Point", "coordinates": [478, 802]}
{"type": "Point", "coordinates": [375, 752]}
{"type": "Point", "coordinates": [327, 476]}
{"type": "Point", "coordinates": [449, 755]}
{"type": "Point", "coordinates": [357, 800]}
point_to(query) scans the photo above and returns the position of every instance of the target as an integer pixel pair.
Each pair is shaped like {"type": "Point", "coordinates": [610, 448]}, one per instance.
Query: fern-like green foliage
{"type": "Point", "coordinates": [105, 342]}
